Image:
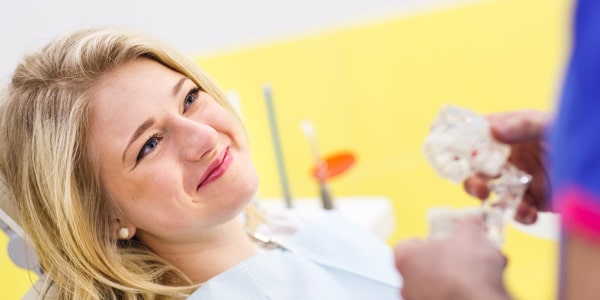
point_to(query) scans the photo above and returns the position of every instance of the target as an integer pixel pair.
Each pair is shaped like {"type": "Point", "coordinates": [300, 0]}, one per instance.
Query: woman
{"type": "Point", "coordinates": [130, 171]}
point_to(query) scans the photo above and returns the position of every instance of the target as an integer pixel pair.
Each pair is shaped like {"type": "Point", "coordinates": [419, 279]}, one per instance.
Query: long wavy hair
{"type": "Point", "coordinates": [62, 206]}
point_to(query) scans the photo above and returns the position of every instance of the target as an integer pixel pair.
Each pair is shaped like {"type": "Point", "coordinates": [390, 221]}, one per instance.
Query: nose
{"type": "Point", "coordinates": [196, 139]}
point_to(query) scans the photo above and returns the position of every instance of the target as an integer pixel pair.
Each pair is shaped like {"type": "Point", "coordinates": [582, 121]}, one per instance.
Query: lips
{"type": "Point", "coordinates": [216, 169]}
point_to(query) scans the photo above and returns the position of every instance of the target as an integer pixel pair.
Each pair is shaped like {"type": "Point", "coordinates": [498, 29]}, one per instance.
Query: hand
{"type": "Point", "coordinates": [524, 131]}
{"type": "Point", "coordinates": [465, 265]}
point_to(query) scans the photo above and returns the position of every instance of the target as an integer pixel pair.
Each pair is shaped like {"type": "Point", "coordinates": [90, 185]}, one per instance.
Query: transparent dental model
{"type": "Point", "coordinates": [460, 145]}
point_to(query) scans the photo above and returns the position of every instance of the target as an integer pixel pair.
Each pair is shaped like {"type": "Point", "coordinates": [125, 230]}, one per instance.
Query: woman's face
{"type": "Point", "coordinates": [176, 162]}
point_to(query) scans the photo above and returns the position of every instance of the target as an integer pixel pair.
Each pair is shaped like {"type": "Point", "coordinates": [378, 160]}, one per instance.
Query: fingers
{"type": "Point", "coordinates": [470, 228]}
{"type": "Point", "coordinates": [524, 131]}
{"type": "Point", "coordinates": [404, 250]}
{"type": "Point", "coordinates": [526, 213]}
{"type": "Point", "coordinates": [476, 186]}
{"type": "Point", "coordinates": [519, 126]}
{"type": "Point", "coordinates": [471, 231]}
{"type": "Point", "coordinates": [408, 257]}
{"type": "Point", "coordinates": [423, 263]}
{"type": "Point", "coordinates": [470, 223]}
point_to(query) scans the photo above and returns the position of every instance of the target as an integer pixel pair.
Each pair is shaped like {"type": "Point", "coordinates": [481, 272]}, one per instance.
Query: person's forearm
{"type": "Point", "coordinates": [581, 269]}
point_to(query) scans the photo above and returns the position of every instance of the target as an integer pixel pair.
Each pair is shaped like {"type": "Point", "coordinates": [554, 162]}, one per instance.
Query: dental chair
{"type": "Point", "coordinates": [19, 251]}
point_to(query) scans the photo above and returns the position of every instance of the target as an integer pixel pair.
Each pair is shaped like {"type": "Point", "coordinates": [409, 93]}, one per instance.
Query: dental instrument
{"type": "Point", "coordinates": [268, 94]}
{"type": "Point", "coordinates": [320, 165]}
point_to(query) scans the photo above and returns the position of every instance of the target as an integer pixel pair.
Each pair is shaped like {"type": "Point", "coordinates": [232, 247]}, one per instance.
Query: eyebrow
{"type": "Point", "coordinates": [148, 123]}
{"type": "Point", "coordinates": [138, 132]}
{"type": "Point", "coordinates": [177, 87]}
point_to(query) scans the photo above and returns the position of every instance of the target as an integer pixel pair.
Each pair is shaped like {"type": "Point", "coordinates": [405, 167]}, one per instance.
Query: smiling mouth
{"type": "Point", "coordinates": [216, 169]}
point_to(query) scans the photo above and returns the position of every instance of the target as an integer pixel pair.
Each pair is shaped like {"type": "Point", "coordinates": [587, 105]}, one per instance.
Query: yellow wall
{"type": "Point", "coordinates": [14, 281]}
{"type": "Point", "coordinates": [374, 88]}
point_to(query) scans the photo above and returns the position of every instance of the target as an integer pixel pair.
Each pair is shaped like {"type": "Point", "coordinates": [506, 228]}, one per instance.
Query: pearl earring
{"type": "Point", "coordinates": [123, 233]}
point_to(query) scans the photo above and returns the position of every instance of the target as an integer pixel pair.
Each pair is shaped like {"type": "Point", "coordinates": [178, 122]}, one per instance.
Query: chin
{"type": "Point", "coordinates": [247, 192]}
{"type": "Point", "coordinates": [243, 194]}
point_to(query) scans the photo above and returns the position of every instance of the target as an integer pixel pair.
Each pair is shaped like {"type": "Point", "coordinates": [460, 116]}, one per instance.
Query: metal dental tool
{"type": "Point", "coordinates": [320, 164]}
{"type": "Point", "coordinates": [277, 146]}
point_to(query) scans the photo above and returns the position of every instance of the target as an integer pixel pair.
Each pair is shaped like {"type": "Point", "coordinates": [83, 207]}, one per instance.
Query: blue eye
{"type": "Point", "coordinates": [148, 147]}
{"type": "Point", "coordinates": [190, 98]}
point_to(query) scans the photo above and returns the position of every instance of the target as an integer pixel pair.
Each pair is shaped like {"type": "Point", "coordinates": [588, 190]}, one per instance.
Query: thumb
{"type": "Point", "coordinates": [404, 251]}
{"type": "Point", "coordinates": [519, 126]}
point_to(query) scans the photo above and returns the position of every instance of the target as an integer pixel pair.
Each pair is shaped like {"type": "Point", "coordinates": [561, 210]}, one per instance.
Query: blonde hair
{"type": "Point", "coordinates": [63, 207]}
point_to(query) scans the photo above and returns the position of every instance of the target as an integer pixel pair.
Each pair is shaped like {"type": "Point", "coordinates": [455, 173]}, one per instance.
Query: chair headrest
{"type": "Point", "coordinates": [8, 207]}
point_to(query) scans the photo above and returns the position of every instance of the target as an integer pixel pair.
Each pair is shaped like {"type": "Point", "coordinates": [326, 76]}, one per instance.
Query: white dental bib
{"type": "Point", "coordinates": [331, 258]}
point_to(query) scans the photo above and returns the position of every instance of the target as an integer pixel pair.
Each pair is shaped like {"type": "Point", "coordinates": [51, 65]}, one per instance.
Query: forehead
{"type": "Point", "coordinates": [139, 82]}
{"type": "Point", "coordinates": [137, 75]}
{"type": "Point", "coordinates": [128, 95]}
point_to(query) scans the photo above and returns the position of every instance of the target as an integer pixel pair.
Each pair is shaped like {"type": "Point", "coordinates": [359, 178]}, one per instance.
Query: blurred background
{"type": "Point", "coordinates": [370, 74]}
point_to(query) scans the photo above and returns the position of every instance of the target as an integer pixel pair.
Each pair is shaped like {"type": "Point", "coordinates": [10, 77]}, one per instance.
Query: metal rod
{"type": "Point", "coordinates": [320, 165]}
{"type": "Point", "coordinates": [277, 146]}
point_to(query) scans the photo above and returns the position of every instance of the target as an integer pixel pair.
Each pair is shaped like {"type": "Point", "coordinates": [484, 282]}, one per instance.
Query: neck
{"type": "Point", "coordinates": [223, 248]}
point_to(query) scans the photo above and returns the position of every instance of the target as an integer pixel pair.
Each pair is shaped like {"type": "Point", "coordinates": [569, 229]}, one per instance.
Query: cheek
{"type": "Point", "coordinates": [143, 192]}
{"type": "Point", "coordinates": [247, 183]}
{"type": "Point", "coordinates": [226, 122]}
{"type": "Point", "coordinates": [156, 205]}
{"type": "Point", "coordinates": [240, 186]}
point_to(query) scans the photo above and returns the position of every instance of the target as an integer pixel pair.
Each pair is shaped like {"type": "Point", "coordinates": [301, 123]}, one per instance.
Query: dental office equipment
{"type": "Point", "coordinates": [460, 145]}
{"type": "Point", "coordinates": [18, 251]}
{"type": "Point", "coordinates": [268, 94]}
{"type": "Point", "coordinates": [320, 165]}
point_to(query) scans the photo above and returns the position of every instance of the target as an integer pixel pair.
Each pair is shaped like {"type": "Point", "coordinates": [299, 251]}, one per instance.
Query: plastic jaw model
{"type": "Point", "coordinates": [460, 145]}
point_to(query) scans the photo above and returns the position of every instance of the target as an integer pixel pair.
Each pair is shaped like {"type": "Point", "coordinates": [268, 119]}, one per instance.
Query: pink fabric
{"type": "Point", "coordinates": [580, 212]}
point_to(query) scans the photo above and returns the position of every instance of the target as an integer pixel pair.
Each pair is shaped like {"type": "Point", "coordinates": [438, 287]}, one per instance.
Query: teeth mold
{"type": "Point", "coordinates": [460, 145]}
